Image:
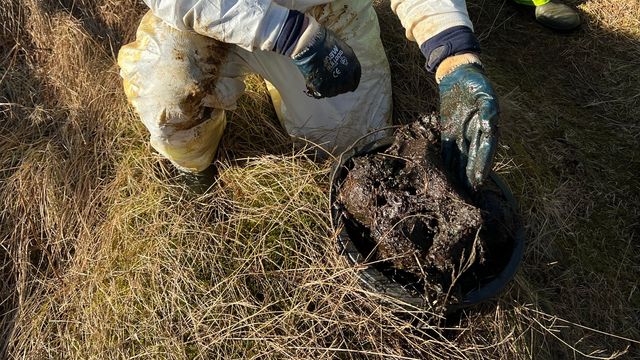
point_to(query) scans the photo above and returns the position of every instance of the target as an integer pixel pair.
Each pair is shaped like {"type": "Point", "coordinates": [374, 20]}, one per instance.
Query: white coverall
{"type": "Point", "coordinates": [189, 59]}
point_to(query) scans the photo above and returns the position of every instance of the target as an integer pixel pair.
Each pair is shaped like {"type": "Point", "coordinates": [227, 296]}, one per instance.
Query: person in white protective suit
{"type": "Point", "coordinates": [325, 68]}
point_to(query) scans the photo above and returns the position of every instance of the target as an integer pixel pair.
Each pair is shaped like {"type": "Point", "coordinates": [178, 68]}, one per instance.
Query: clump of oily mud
{"type": "Point", "coordinates": [420, 222]}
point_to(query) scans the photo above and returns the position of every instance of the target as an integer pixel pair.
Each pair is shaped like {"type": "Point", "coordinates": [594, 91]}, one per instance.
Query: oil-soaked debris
{"type": "Point", "coordinates": [418, 220]}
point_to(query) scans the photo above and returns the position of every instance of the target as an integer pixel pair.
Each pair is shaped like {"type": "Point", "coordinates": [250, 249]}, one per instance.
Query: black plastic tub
{"type": "Point", "coordinates": [392, 282]}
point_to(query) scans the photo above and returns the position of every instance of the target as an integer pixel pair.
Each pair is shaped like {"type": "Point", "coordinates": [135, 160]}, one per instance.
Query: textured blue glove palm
{"type": "Point", "coordinates": [469, 117]}
{"type": "Point", "coordinates": [329, 65]}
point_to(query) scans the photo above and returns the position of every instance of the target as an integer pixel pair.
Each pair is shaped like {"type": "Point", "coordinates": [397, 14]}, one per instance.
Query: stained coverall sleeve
{"type": "Point", "coordinates": [423, 19]}
{"type": "Point", "coordinates": [250, 24]}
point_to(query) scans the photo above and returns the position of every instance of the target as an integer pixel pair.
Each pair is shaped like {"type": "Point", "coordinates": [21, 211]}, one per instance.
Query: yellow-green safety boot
{"type": "Point", "coordinates": [557, 16]}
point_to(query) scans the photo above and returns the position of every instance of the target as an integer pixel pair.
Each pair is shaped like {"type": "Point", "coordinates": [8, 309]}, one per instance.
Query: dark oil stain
{"type": "Point", "coordinates": [404, 213]}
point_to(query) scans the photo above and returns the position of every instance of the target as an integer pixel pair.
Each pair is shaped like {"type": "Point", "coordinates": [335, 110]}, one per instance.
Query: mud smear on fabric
{"type": "Point", "coordinates": [417, 226]}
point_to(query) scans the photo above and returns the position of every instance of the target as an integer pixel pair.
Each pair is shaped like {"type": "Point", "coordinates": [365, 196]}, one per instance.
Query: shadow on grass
{"type": "Point", "coordinates": [33, 120]}
{"type": "Point", "coordinates": [570, 108]}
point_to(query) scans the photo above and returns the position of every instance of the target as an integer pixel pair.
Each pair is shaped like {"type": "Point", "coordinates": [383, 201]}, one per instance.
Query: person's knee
{"type": "Point", "coordinates": [170, 77]}
{"type": "Point", "coordinates": [191, 149]}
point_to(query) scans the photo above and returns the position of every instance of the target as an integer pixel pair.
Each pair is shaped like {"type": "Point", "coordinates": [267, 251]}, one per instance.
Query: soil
{"type": "Point", "coordinates": [420, 223]}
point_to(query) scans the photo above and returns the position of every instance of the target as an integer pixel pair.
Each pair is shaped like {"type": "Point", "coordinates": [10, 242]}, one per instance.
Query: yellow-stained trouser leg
{"type": "Point", "coordinates": [169, 77]}
{"type": "Point", "coordinates": [181, 83]}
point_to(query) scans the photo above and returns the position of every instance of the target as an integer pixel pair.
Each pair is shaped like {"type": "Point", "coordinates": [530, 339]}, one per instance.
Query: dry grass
{"type": "Point", "coordinates": [105, 254]}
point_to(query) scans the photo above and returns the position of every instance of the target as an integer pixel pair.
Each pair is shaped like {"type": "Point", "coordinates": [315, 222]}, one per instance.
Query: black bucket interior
{"type": "Point", "coordinates": [504, 243]}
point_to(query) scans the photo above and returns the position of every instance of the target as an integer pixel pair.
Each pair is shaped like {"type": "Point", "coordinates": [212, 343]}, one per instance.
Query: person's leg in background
{"type": "Point", "coordinates": [553, 15]}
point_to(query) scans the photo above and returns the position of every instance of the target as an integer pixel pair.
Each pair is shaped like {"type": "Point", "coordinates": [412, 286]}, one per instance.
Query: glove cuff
{"type": "Point", "coordinates": [311, 35]}
{"type": "Point", "coordinates": [292, 30]}
{"type": "Point", "coordinates": [451, 63]}
{"type": "Point", "coordinates": [453, 41]}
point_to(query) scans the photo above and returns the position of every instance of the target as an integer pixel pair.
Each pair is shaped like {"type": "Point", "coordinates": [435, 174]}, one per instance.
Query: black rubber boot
{"type": "Point", "coordinates": [200, 182]}
{"type": "Point", "coordinates": [557, 16]}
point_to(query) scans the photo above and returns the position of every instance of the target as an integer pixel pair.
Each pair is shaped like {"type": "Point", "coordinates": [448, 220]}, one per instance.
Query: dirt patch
{"type": "Point", "coordinates": [418, 222]}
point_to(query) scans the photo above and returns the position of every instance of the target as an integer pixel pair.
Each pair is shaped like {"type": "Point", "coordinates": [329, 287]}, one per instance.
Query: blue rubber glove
{"type": "Point", "coordinates": [468, 105]}
{"type": "Point", "coordinates": [469, 118]}
{"type": "Point", "coordinates": [328, 64]}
